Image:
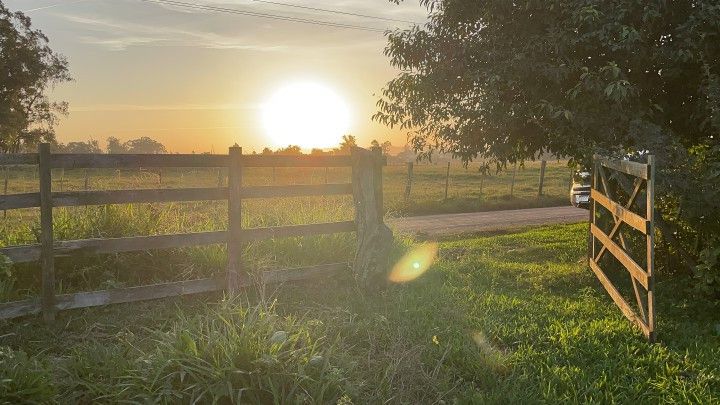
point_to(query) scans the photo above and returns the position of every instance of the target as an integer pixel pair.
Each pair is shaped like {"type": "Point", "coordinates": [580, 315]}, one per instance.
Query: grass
{"type": "Point", "coordinates": [514, 318]}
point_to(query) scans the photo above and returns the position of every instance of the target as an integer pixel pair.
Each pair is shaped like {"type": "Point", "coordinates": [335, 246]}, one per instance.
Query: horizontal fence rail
{"type": "Point", "coordinates": [148, 292]}
{"type": "Point", "coordinates": [82, 198]}
{"type": "Point", "coordinates": [83, 161]}
{"type": "Point", "coordinates": [31, 253]}
{"type": "Point", "coordinates": [234, 275]}
{"type": "Point", "coordinates": [12, 159]}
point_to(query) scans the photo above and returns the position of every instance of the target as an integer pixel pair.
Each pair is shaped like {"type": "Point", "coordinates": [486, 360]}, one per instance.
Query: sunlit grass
{"type": "Point", "coordinates": [515, 318]}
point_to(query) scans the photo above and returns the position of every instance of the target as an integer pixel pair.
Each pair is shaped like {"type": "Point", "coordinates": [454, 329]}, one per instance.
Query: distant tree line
{"type": "Point", "coordinates": [142, 145]}
{"type": "Point", "coordinates": [348, 142]}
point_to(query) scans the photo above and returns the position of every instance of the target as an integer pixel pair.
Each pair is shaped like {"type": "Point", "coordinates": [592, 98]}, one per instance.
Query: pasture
{"type": "Point", "coordinates": [468, 191]}
{"type": "Point", "coordinates": [514, 318]}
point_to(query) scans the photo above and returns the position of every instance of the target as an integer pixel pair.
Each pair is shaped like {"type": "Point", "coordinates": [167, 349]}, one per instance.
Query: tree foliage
{"type": "Point", "coordinates": [28, 69]}
{"type": "Point", "coordinates": [142, 145]}
{"type": "Point", "coordinates": [506, 81]}
{"type": "Point", "coordinates": [91, 146]}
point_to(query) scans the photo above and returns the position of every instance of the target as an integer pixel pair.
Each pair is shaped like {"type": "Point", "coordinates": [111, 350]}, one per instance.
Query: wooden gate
{"type": "Point", "coordinates": [613, 180]}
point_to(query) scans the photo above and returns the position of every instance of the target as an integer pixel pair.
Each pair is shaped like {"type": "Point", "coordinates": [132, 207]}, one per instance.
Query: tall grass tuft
{"type": "Point", "coordinates": [223, 353]}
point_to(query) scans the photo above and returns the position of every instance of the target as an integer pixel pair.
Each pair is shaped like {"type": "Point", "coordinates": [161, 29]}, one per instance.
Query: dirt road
{"type": "Point", "coordinates": [446, 224]}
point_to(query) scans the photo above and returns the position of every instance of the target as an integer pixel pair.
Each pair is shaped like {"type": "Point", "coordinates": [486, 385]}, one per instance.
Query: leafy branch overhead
{"type": "Point", "coordinates": [506, 80]}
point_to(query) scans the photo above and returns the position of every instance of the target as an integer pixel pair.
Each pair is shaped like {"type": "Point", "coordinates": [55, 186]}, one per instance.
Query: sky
{"type": "Point", "coordinates": [197, 80]}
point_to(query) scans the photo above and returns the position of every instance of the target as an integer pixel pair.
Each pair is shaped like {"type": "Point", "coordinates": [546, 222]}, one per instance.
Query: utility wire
{"type": "Point", "coordinates": [53, 6]}
{"type": "Point", "coordinates": [325, 10]}
{"type": "Point", "coordinates": [270, 16]}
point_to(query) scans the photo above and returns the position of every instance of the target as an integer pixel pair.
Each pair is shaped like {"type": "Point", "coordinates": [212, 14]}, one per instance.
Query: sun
{"type": "Point", "coordinates": [307, 114]}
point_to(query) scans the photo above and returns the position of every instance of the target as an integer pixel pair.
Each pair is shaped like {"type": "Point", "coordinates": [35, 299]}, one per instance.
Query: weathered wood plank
{"type": "Point", "coordinates": [374, 238]}
{"type": "Point", "coordinates": [624, 214]}
{"type": "Point", "coordinates": [636, 169]}
{"type": "Point", "coordinates": [100, 197]}
{"type": "Point", "coordinates": [47, 259]}
{"type": "Point", "coordinates": [22, 254]}
{"type": "Point", "coordinates": [304, 273]}
{"type": "Point", "coordinates": [31, 253]}
{"type": "Point", "coordinates": [295, 161]}
{"type": "Point", "coordinates": [618, 299]}
{"type": "Point", "coordinates": [255, 234]}
{"type": "Point", "coordinates": [295, 190]}
{"type": "Point", "coordinates": [32, 306]}
{"type": "Point", "coordinates": [14, 309]}
{"type": "Point", "coordinates": [16, 201]}
{"type": "Point", "coordinates": [75, 198]}
{"type": "Point", "coordinates": [141, 293]}
{"type": "Point", "coordinates": [138, 243]}
{"type": "Point", "coordinates": [11, 159]}
{"type": "Point", "coordinates": [79, 161]}
{"type": "Point", "coordinates": [625, 259]}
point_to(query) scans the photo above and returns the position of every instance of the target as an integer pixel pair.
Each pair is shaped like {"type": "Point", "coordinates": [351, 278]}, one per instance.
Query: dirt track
{"type": "Point", "coordinates": [446, 224]}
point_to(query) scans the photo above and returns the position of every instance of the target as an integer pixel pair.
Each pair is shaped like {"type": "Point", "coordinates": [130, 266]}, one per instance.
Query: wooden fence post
{"type": "Point", "coordinates": [650, 240]}
{"type": "Point", "coordinates": [234, 244]}
{"type": "Point", "coordinates": [512, 184]}
{"type": "Point", "coordinates": [373, 236]}
{"type": "Point", "coordinates": [87, 181]}
{"type": "Point", "coordinates": [47, 260]}
{"type": "Point", "coordinates": [5, 187]}
{"type": "Point", "coordinates": [447, 180]}
{"type": "Point", "coordinates": [62, 178]}
{"type": "Point", "coordinates": [482, 183]}
{"type": "Point", "coordinates": [408, 183]}
{"type": "Point", "coordinates": [543, 164]}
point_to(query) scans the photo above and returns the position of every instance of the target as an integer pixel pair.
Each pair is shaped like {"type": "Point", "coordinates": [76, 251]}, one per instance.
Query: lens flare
{"type": "Point", "coordinates": [414, 263]}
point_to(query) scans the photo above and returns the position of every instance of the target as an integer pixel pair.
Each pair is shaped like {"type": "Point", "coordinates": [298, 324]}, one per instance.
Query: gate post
{"type": "Point", "coordinates": [374, 237]}
{"type": "Point", "coordinates": [650, 240]}
{"type": "Point", "coordinates": [234, 244]}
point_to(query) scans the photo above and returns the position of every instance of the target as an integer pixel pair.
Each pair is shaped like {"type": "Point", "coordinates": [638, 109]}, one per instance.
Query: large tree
{"type": "Point", "coordinates": [507, 80]}
{"type": "Point", "coordinates": [28, 69]}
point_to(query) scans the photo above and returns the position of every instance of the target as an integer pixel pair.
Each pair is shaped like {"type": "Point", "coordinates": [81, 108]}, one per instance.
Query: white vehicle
{"type": "Point", "coordinates": [580, 190]}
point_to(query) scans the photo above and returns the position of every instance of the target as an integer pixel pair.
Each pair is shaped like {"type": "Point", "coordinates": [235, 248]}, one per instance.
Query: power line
{"type": "Point", "coordinates": [270, 16]}
{"type": "Point", "coordinates": [325, 10]}
{"type": "Point", "coordinates": [52, 6]}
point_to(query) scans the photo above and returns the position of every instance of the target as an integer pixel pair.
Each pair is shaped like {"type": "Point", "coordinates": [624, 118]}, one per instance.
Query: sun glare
{"type": "Point", "coordinates": [307, 114]}
{"type": "Point", "coordinates": [415, 262]}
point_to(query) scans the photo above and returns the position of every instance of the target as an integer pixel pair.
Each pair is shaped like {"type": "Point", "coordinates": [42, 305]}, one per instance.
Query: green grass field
{"type": "Point", "coordinates": [515, 318]}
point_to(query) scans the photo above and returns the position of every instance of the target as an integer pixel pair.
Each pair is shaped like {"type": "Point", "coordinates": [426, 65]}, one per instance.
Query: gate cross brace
{"type": "Point", "coordinates": [616, 229]}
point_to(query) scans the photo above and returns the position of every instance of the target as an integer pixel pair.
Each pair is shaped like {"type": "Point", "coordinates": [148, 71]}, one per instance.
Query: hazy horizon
{"type": "Point", "coordinates": [195, 79]}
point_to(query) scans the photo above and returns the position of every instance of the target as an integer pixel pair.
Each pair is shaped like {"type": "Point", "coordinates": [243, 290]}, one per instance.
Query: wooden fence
{"type": "Point", "coordinates": [366, 165]}
{"type": "Point", "coordinates": [410, 178]}
{"type": "Point", "coordinates": [638, 218]}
